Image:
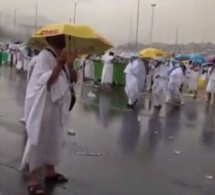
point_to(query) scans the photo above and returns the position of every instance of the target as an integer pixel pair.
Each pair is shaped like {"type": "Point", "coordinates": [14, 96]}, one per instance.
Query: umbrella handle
{"type": "Point", "coordinates": [68, 44]}
{"type": "Point", "coordinates": [68, 39]}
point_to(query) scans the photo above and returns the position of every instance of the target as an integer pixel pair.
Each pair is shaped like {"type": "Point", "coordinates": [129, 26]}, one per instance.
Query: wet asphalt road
{"type": "Point", "coordinates": [138, 148]}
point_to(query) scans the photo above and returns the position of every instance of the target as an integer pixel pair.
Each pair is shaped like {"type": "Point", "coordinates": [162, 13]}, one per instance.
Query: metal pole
{"type": "Point", "coordinates": [152, 22]}
{"type": "Point", "coordinates": [130, 33]}
{"type": "Point", "coordinates": [137, 25]}
{"type": "Point", "coordinates": [14, 21]}
{"type": "Point", "coordinates": [36, 15]}
{"type": "Point", "coordinates": [176, 40]}
{"type": "Point", "coordinates": [75, 9]}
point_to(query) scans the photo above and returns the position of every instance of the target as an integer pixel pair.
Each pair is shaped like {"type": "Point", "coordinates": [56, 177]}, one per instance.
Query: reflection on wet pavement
{"type": "Point", "coordinates": [155, 130]}
{"type": "Point", "coordinates": [137, 147]}
{"type": "Point", "coordinates": [130, 131]}
{"type": "Point", "coordinates": [208, 126]}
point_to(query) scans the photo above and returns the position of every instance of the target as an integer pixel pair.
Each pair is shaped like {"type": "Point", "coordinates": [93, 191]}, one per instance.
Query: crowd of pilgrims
{"type": "Point", "coordinates": [165, 79]}
{"type": "Point", "coordinates": [50, 97]}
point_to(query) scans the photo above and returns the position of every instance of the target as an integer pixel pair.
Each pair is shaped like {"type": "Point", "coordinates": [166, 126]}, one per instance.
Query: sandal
{"type": "Point", "coordinates": [57, 178]}
{"type": "Point", "coordinates": [35, 190]}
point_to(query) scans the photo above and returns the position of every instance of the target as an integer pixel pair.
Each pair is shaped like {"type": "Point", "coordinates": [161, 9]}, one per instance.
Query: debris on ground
{"type": "Point", "coordinates": [91, 94]}
{"type": "Point", "coordinates": [71, 132]}
{"type": "Point", "coordinates": [177, 152]}
{"type": "Point", "coordinates": [22, 121]}
{"type": "Point", "coordinates": [88, 154]}
{"type": "Point", "coordinates": [209, 176]}
{"type": "Point", "coordinates": [170, 138]}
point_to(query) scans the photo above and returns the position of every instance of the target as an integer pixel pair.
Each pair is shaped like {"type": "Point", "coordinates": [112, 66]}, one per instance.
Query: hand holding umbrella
{"type": "Point", "coordinates": [62, 58]}
{"type": "Point", "coordinates": [71, 56]}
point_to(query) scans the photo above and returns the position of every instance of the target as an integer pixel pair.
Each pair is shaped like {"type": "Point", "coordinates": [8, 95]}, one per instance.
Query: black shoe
{"type": "Point", "coordinates": [135, 102]}
{"type": "Point", "coordinates": [130, 106]}
{"type": "Point", "coordinates": [158, 107]}
{"type": "Point", "coordinates": [57, 178]}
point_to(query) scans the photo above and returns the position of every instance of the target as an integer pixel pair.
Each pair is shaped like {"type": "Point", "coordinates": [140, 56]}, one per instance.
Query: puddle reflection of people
{"type": "Point", "coordinates": [86, 94]}
{"type": "Point", "coordinates": [191, 111]}
{"type": "Point", "coordinates": [208, 126]}
{"type": "Point", "coordinates": [154, 130]}
{"type": "Point", "coordinates": [104, 109]}
{"type": "Point", "coordinates": [130, 131]}
{"type": "Point", "coordinates": [20, 90]}
{"type": "Point", "coordinates": [172, 123]}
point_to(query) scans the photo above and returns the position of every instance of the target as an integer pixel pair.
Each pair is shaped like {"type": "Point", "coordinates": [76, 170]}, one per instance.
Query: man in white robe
{"type": "Point", "coordinates": [88, 69]}
{"type": "Point", "coordinates": [131, 86]}
{"type": "Point", "coordinates": [176, 79]}
{"type": "Point", "coordinates": [107, 71]}
{"type": "Point", "coordinates": [193, 79]}
{"type": "Point", "coordinates": [141, 73]}
{"type": "Point", "coordinates": [49, 93]}
{"type": "Point", "coordinates": [13, 57]}
{"type": "Point", "coordinates": [149, 77]}
{"type": "Point", "coordinates": [211, 83]}
{"type": "Point", "coordinates": [30, 70]}
{"type": "Point", "coordinates": [31, 65]}
{"type": "Point", "coordinates": [160, 80]}
{"type": "Point", "coordinates": [20, 60]}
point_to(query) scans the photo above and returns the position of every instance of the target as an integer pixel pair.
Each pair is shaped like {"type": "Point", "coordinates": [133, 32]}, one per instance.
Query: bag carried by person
{"type": "Point", "coordinates": [202, 83]}
{"type": "Point", "coordinates": [72, 79]}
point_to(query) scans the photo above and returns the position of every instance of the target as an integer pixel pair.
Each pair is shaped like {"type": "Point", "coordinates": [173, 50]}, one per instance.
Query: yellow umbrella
{"type": "Point", "coordinates": [168, 56]}
{"type": "Point", "coordinates": [151, 53]}
{"type": "Point", "coordinates": [80, 37]}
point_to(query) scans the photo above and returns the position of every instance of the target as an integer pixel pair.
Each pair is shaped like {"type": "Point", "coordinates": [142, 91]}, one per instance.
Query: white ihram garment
{"type": "Point", "coordinates": [107, 71]}
{"type": "Point", "coordinates": [140, 68]}
{"type": "Point", "coordinates": [26, 62]}
{"type": "Point", "coordinates": [193, 80]}
{"type": "Point", "coordinates": [27, 106]}
{"type": "Point", "coordinates": [89, 69]}
{"type": "Point", "coordinates": [131, 87]}
{"type": "Point", "coordinates": [31, 66]}
{"type": "Point", "coordinates": [211, 83]}
{"type": "Point", "coordinates": [176, 79]}
{"type": "Point", "coordinates": [14, 58]}
{"type": "Point", "coordinates": [20, 61]}
{"type": "Point", "coordinates": [159, 85]}
{"type": "Point", "coordinates": [47, 115]}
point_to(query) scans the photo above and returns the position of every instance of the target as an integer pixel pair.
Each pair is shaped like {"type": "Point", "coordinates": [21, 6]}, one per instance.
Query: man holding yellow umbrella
{"type": "Point", "coordinates": [50, 97]}
{"type": "Point", "coordinates": [149, 54]}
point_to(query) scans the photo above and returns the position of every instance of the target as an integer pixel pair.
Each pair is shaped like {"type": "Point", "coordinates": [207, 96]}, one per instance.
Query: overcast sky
{"type": "Point", "coordinates": [116, 19]}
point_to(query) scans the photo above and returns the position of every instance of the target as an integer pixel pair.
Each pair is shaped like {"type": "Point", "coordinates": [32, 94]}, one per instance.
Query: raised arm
{"type": "Point", "coordinates": [61, 61]}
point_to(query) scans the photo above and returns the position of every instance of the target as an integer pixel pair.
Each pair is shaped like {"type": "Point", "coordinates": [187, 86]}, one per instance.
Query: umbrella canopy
{"type": "Point", "coordinates": [183, 57]}
{"type": "Point", "coordinates": [151, 53]}
{"type": "Point", "coordinates": [211, 59]}
{"type": "Point", "coordinates": [77, 37]}
{"type": "Point", "coordinates": [198, 59]}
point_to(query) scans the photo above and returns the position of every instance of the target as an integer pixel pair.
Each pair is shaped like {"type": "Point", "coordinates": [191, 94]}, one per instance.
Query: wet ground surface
{"type": "Point", "coordinates": [141, 152]}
